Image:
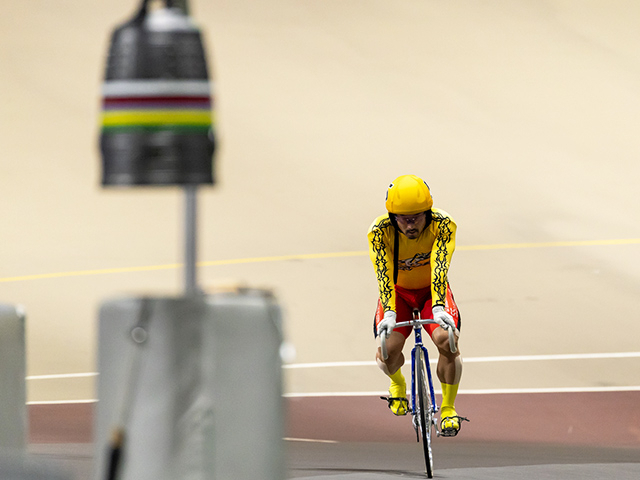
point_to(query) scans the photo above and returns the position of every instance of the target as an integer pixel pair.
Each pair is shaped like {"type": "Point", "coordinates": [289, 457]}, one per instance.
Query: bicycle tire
{"type": "Point", "coordinates": [424, 413]}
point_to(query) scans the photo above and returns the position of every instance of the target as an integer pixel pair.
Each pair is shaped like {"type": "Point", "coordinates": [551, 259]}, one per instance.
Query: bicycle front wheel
{"type": "Point", "coordinates": [424, 410]}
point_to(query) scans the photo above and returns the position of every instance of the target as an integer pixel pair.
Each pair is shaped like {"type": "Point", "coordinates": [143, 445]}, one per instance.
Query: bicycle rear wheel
{"type": "Point", "coordinates": [424, 410]}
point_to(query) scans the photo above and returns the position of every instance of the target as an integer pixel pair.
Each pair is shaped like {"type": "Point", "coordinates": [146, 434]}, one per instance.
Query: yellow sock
{"type": "Point", "coordinates": [449, 394]}
{"type": "Point", "coordinates": [398, 377]}
{"type": "Point", "coordinates": [398, 389]}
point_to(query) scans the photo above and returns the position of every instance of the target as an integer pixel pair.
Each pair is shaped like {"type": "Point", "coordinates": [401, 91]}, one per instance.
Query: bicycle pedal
{"type": "Point", "coordinates": [452, 431]}
{"type": "Point", "coordinates": [404, 404]}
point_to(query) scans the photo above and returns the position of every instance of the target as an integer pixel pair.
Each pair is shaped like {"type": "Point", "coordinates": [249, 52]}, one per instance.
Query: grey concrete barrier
{"type": "Point", "coordinates": [22, 467]}
{"type": "Point", "coordinates": [13, 417]}
{"type": "Point", "coordinates": [194, 386]}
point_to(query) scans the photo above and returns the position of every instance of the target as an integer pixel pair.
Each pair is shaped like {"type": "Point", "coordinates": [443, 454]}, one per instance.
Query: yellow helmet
{"type": "Point", "coordinates": [408, 195]}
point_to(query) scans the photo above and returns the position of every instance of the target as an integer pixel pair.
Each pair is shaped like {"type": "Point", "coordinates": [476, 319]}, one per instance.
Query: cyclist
{"type": "Point", "coordinates": [411, 249]}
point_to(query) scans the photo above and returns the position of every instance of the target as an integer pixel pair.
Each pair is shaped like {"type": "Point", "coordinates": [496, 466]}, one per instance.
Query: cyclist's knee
{"type": "Point", "coordinates": [391, 364]}
{"type": "Point", "coordinates": [395, 342]}
{"type": "Point", "coordinates": [441, 340]}
{"type": "Point", "coordinates": [395, 357]}
{"type": "Point", "coordinates": [393, 354]}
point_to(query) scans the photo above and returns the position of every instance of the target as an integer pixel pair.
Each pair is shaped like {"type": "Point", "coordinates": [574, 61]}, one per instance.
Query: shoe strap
{"type": "Point", "coordinates": [390, 400]}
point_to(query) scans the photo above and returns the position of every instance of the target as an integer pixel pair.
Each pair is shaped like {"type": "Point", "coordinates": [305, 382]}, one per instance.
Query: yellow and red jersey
{"type": "Point", "coordinates": [422, 262]}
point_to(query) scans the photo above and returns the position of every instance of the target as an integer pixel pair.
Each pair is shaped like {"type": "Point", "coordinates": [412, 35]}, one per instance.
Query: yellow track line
{"type": "Point", "coordinates": [311, 256]}
{"type": "Point", "coordinates": [89, 272]}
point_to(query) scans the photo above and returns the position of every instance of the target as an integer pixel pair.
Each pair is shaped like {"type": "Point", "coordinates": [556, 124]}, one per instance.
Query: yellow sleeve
{"type": "Point", "coordinates": [381, 254]}
{"type": "Point", "coordinates": [443, 247]}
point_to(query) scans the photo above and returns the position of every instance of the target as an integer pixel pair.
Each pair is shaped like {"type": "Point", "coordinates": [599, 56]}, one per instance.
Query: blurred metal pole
{"type": "Point", "coordinates": [190, 259]}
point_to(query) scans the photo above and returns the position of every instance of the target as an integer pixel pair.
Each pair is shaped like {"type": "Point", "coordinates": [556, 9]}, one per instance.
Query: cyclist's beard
{"type": "Point", "coordinates": [412, 233]}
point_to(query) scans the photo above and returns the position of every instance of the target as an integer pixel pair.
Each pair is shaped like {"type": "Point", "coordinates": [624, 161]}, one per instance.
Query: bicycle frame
{"type": "Point", "coordinates": [417, 331]}
{"type": "Point", "coordinates": [416, 323]}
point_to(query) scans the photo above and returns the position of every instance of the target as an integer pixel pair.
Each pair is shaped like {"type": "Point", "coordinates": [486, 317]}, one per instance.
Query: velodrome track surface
{"type": "Point", "coordinates": [522, 116]}
{"type": "Point", "coordinates": [356, 438]}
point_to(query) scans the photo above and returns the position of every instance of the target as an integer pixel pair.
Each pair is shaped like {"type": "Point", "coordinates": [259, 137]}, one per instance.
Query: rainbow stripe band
{"type": "Point", "coordinates": [183, 105]}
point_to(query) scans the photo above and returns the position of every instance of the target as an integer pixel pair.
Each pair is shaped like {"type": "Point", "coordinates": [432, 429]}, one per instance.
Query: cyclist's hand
{"type": "Point", "coordinates": [443, 318]}
{"type": "Point", "coordinates": [388, 323]}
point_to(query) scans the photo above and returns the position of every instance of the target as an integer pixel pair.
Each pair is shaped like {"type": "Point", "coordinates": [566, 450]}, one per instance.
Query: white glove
{"type": "Point", "coordinates": [443, 318]}
{"type": "Point", "coordinates": [388, 323]}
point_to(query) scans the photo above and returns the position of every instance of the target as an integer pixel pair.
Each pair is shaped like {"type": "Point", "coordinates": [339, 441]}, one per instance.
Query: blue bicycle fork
{"type": "Point", "coordinates": [418, 344]}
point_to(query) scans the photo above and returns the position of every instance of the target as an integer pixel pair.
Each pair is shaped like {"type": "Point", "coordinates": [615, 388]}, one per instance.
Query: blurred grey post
{"type": "Point", "coordinates": [190, 239]}
{"type": "Point", "coordinates": [13, 416]}
{"type": "Point", "coordinates": [189, 386]}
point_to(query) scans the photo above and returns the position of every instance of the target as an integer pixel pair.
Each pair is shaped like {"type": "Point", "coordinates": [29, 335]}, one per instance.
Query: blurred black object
{"type": "Point", "coordinates": [157, 120]}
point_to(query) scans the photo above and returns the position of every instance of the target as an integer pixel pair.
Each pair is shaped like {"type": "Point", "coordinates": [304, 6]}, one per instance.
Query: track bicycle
{"type": "Point", "coordinates": [423, 399]}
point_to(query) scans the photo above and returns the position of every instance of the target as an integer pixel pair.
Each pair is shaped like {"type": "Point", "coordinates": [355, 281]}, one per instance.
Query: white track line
{"type": "Point", "coordinates": [63, 402]}
{"type": "Point", "coordinates": [288, 439]}
{"type": "Point", "coordinates": [62, 375]}
{"type": "Point", "coordinates": [495, 391]}
{"type": "Point", "coordinates": [297, 366]}
{"type": "Point", "coordinates": [509, 358]}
